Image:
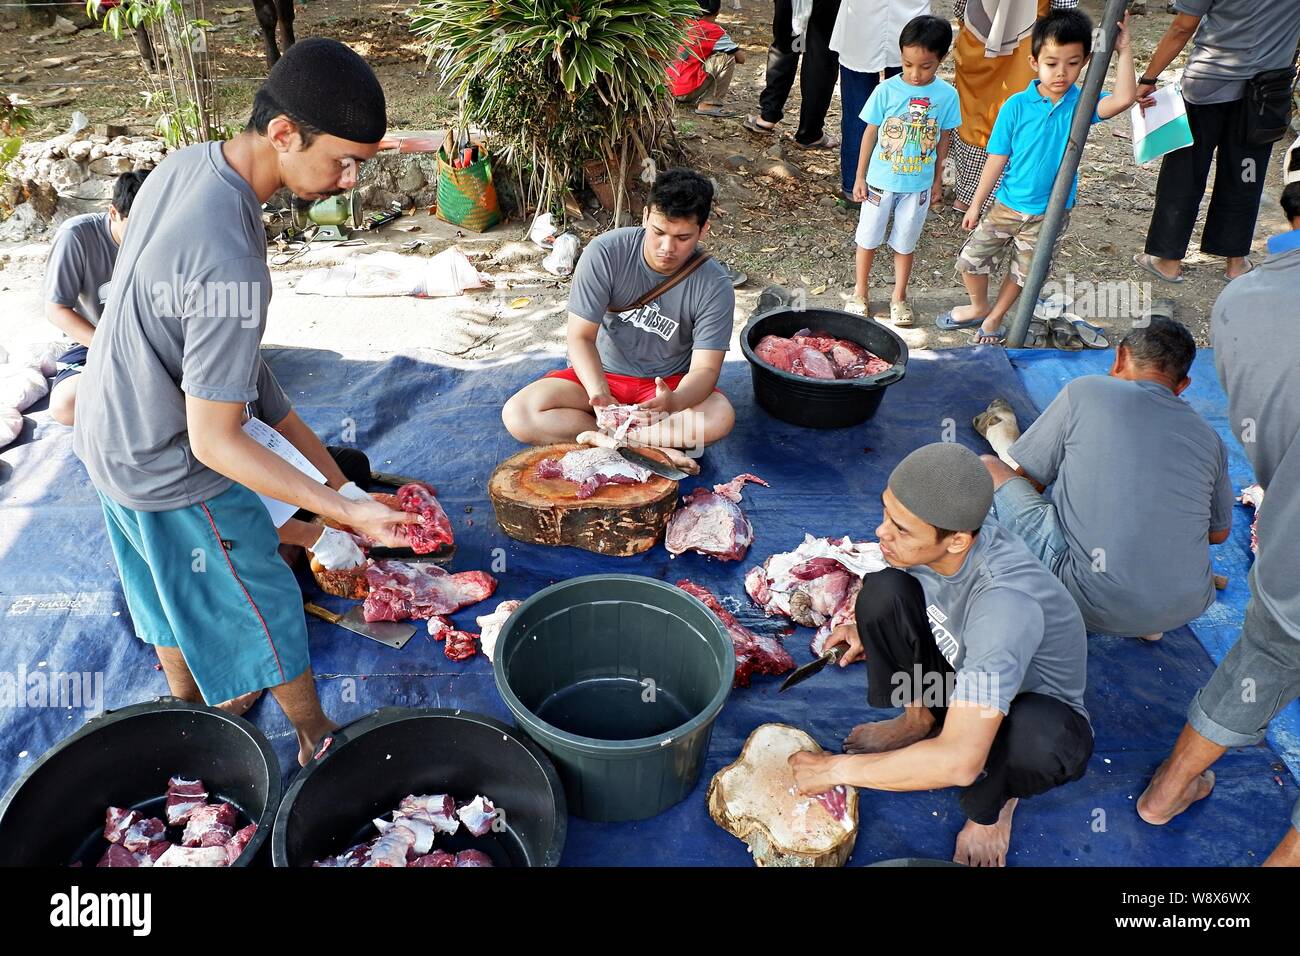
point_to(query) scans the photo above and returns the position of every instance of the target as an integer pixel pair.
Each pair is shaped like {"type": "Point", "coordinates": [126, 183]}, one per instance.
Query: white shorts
{"type": "Point", "coordinates": [909, 211]}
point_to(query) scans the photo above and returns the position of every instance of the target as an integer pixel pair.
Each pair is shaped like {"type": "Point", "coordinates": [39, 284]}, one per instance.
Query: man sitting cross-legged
{"type": "Point", "coordinates": [1140, 487]}
{"type": "Point", "coordinates": [663, 356]}
{"type": "Point", "coordinates": [982, 648]}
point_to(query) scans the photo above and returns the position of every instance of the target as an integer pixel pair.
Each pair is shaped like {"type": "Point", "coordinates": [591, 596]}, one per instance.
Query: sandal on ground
{"type": "Point", "coordinates": [1092, 336]}
{"type": "Point", "coordinates": [1036, 337]}
{"type": "Point", "coordinates": [900, 313]}
{"type": "Point", "coordinates": [857, 305]}
{"type": "Point", "coordinates": [996, 337]}
{"type": "Point", "coordinates": [718, 112]}
{"type": "Point", "coordinates": [1064, 335]}
{"type": "Point", "coordinates": [826, 141]}
{"type": "Point", "coordinates": [754, 126]}
{"type": "Point", "coordinates": [1144, 261]}
{"type": "Point", "coordinates": [949, 324]}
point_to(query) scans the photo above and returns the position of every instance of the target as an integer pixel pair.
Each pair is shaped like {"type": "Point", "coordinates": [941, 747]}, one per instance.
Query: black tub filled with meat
{"type": "Point", "coordinates": [423, 787]}
{"type": "Point", "coordinates": [164, 782]}
{"type": "Point", "coordinates": [821, 368]}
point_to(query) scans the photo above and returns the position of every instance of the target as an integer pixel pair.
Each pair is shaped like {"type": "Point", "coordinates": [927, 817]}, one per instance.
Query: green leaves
{"type": "Point", "coordinates": [557, 82]}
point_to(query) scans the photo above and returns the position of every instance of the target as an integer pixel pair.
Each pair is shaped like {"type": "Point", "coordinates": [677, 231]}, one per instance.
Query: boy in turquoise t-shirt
{"type": "Point", "coordinates": [1028, 141]}
{"type": "Point", "coordinates": [909, 121]}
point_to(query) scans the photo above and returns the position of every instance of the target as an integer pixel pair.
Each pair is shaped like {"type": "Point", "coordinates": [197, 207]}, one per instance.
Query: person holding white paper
{"type": "Point", "coordinates": [1232, 42]}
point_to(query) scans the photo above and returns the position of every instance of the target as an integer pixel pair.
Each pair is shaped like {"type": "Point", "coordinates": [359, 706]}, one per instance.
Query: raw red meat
{"type": "Point", "coordinates": [460, 644]}
{"type": "Point", "coordinates": [436, 858]}
{"type": "Point", "coordinates": [477, 815]}
{"type": "Point", "coordinates": [473, 858]}
{"type": "Point", "coordinates": [755, 653]}
{"type": "Point", "coordinates": [144, 833]}
{"type": "Point", "coordinates": [183, 797]}
{"type": "Point", "coordinates": [819, 355]}
{"type": "Point", "coordinates": [1253, 496]}
{"type": "Point", "coordinates": [616, 420]}
{"type": "Point", "coordinates": [711, 522]}
{"type": "Point", "coordinates": [117, 856]}
{"type": "Point", "coordinates": [436, 530]}
{"type": "Point", "coordinates": [238, 842]}
{"type": "Point", "coordinates": [177, 855]}
{"type": "Point", "coordinates": [117, 821]}
{"type": "Point", "coordinates": [439, 809]}
{"type": "Point", "coordinates": [355, 856]}
{"type": "Point", "coordinates": [210, 825]}
{"type": "Point", "coordinates": [836, 801]}
{"type": "Point", "coordinates": [151, 854]}
{"type": "Point", "coordinates": [590, 468]}
{"type": "Point", "coordinates": [400, 591]}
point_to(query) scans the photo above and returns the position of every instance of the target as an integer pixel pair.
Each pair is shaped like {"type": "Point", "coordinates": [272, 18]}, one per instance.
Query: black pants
{"type": "Point", "coordinates": [1041, 743]}
{"type": "Point", "coordinates": [817, 79]}
{"type": "Point", "coordinates": [355, 467]}
{"type": "Point", "coordinates": [1238, 185]}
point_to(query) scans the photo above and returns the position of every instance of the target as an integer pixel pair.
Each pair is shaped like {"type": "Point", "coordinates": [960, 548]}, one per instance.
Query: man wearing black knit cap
{"type": "Point", "coordinates": [160, 419]}
{"type": "Point", "coordinates": [979, 644]}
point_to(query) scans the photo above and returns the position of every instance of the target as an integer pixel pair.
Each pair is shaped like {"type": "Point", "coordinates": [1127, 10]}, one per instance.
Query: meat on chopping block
{"type": "Point", "coordinates": [755, 800]}
{"type": "Point", "coordinates": [711, 522]}
{"type": "Point", "coordinates": [616, 519]}
{"type": "Point", "coordinates": [591, 468]}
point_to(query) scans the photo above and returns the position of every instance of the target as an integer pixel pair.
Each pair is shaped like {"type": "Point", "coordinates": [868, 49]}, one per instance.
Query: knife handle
{"type": "Point", "coordinates": [836, 652]}
{"type": "Point", "coordinates": [315, 610]}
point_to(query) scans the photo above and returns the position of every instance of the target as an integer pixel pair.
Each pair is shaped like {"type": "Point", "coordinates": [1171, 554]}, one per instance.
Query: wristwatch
{"type": "Point", "coordinates": [1147, 81]}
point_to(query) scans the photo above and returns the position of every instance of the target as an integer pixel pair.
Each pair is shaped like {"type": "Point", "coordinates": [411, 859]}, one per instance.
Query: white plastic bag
{"type": "Point", "coordinates": [564, 256]}
{"type": "Point", "coordinates": [44, 356]}
{"type": "Point", "coordinates": [11, 424]}
{"type": "Point", "coordinates": [21, 387]}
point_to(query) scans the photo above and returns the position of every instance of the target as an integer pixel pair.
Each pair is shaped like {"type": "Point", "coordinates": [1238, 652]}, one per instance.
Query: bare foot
{"type": "Point", "coordinates": [882, 735]}
{"type": "Point", "coordinates": [307, 748]}
{"type": "Point", "coordinates": [1158, 809]}
{"type": "Point", "coordinates": [979, 845]}
{"type": "Point", "coordinates": [680, 460]}
{"type": "Point", "coordinates": [1151, 637]}
{"type": "Point", "coordinates": [240, 705]}
{"type": "Point", "coordinates": [1287, 853]}
{"type": "Point", "coordinates": [990, 336]}
{"type": "Point", "coordinates": [964, 313]}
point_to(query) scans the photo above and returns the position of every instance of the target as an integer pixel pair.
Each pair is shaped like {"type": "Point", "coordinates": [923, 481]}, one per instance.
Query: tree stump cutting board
{"type": "Point", "coordinates": [620, 520]}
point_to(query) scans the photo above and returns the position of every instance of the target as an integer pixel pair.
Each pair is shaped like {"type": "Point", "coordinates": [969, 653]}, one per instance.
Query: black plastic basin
{"type": "Point", "coordinates": [54, 814]}
{"type": "Point", "coordinates": [822, 403]}
{"type": "Point", "coordinates": [619, 678]}
{"type": "Point", "coordinates": [370, 765]}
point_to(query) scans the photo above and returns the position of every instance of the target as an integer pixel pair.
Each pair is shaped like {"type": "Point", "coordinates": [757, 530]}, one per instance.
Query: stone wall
{"type": "Point", "coordinates": [65, 176]}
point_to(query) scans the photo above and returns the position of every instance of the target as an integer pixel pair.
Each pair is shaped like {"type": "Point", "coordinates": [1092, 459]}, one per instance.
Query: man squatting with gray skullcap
{"type": "Point", "coordinates": [979, 644]}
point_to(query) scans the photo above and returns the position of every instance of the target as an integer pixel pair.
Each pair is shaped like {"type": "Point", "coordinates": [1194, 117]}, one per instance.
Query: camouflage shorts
{"type": "Point", "coordinates": [1002, 227]}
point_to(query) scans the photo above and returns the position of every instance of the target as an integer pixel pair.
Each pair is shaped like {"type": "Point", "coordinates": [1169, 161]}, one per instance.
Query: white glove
{"type": "Point", "coordinates": [336, 550]}
{"type": "Point", "coordinates": [352, 492]}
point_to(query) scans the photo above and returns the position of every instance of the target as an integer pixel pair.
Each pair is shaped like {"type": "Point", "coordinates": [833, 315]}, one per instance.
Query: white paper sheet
{"type": "Point", "coordinates": [268, 437]}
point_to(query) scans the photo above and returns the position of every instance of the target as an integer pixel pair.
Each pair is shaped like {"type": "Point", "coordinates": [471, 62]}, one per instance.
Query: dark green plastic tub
{"type": "Point", "coordinates": [619, 678]}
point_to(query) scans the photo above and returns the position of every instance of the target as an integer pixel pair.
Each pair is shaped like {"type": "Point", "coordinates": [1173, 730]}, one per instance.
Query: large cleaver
{"type": "Point", "coordinates": [393, 633]}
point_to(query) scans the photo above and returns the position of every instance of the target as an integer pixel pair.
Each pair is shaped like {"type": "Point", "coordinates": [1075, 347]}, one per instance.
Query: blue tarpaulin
{"type": "Point", "coordinates": [62, 611]}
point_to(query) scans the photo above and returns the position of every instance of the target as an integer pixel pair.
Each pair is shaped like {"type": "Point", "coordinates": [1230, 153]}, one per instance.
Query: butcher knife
{"type": "Point", "coordinates": [801, 674]}
{"type": "Point", "coordinates": [394, 481]}
{"type": "Point", "coordinates": [652, 464]}
{"type": "Point", "coordinates": [393, 633]}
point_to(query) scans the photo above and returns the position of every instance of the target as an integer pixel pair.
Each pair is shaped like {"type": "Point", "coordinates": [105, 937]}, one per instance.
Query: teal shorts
{"type": "Point", "coordinates": [209, 580]}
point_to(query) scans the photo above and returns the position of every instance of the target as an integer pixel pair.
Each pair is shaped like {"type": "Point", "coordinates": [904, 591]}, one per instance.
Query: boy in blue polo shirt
{"type": "Point", "coordinates": [1028, 141]}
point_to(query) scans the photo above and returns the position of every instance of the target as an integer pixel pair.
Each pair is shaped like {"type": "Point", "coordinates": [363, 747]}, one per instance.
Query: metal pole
{"type": "Point", "coordinates": [1055, 214]}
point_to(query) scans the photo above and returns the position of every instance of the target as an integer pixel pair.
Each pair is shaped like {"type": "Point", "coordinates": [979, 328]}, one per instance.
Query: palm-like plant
{"type": "Point", "coordinates": [560, 82]}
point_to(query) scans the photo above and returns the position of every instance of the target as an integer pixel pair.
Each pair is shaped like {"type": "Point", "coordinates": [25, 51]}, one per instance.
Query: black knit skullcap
{"type": "Point", "coordinates": [329, 86]}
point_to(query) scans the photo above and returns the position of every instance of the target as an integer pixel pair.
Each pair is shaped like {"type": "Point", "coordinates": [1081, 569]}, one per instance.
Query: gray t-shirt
{"type": "Point", "coordinates": [1235, 40]}
{"type": "Point", "coordinates": [1139, 482]}
{"type": "Point", "coordinates": [271, 404]}
{"type": "Point", "coordinates": [1006, 625]}
{"type": "Point", "coordinates": [185, 316]}
{"type": "Point", "coordinates": [1253, 327]}
{"type": "Point", "coordinates": [656, 339]}
{"type": "Point", "coordinates": [80, 265]}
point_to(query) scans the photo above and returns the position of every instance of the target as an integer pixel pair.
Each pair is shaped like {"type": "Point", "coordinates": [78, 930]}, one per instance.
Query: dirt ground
{"type": "Point", "coordinates": [777, 218]}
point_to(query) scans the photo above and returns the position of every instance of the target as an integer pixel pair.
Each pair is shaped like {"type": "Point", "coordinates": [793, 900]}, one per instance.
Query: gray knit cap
{"type": "Point", "coordinates": [944, 484]}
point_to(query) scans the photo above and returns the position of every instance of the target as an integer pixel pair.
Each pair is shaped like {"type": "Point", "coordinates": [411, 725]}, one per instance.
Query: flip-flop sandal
{"type": "Point", "coordinates": [751, 123]}
{"type": "Point", "coordinates": [999, 337]}
{"type": "Point", "coordinates": [1092, 336]}
{"type": "Point", "coordinates": [1250, 267]}
{"type": "Point", "coordinates": [900, 313]}
{"type": "Point", "coordinates": [718, 112]}
{"type": "Point", "coordinates": [1143, 261]}
{"type": "Point", "coordinates": [1036, 336]}
{"type": "Point", "coordinates": [1064, 335]}
{"type": "Point", "coordinates": [826, 142]}
{"type": "Point", "coordinates": [1049, 307]}
{"type": "Point", "coordinates": [949, 324]}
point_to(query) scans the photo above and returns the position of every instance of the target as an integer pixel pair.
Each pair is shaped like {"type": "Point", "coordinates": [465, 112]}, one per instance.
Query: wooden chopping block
{"type": "Point", "coordinates": [751, 800]}
{"type": "Point", "coordinates": [350, 582]}
{"type": "Point", "coordinates": [619, 520]}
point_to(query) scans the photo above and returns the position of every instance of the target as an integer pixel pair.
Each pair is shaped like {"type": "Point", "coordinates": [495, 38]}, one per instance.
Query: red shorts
{"type": "Point", "coordinates": [625, 389]}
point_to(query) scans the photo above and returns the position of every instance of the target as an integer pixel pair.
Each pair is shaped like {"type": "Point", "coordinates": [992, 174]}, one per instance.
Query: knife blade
{"type": "Point", "coordinates": [801, 674]}
{"type": "Point", "coordinates": [441, 556]}
{"type": "Point", "coordinates": [395, 634]}
{"type": "Point", "coordinates": [394, 481]}
{"type": "Point", "coordinates": [660, 468]}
